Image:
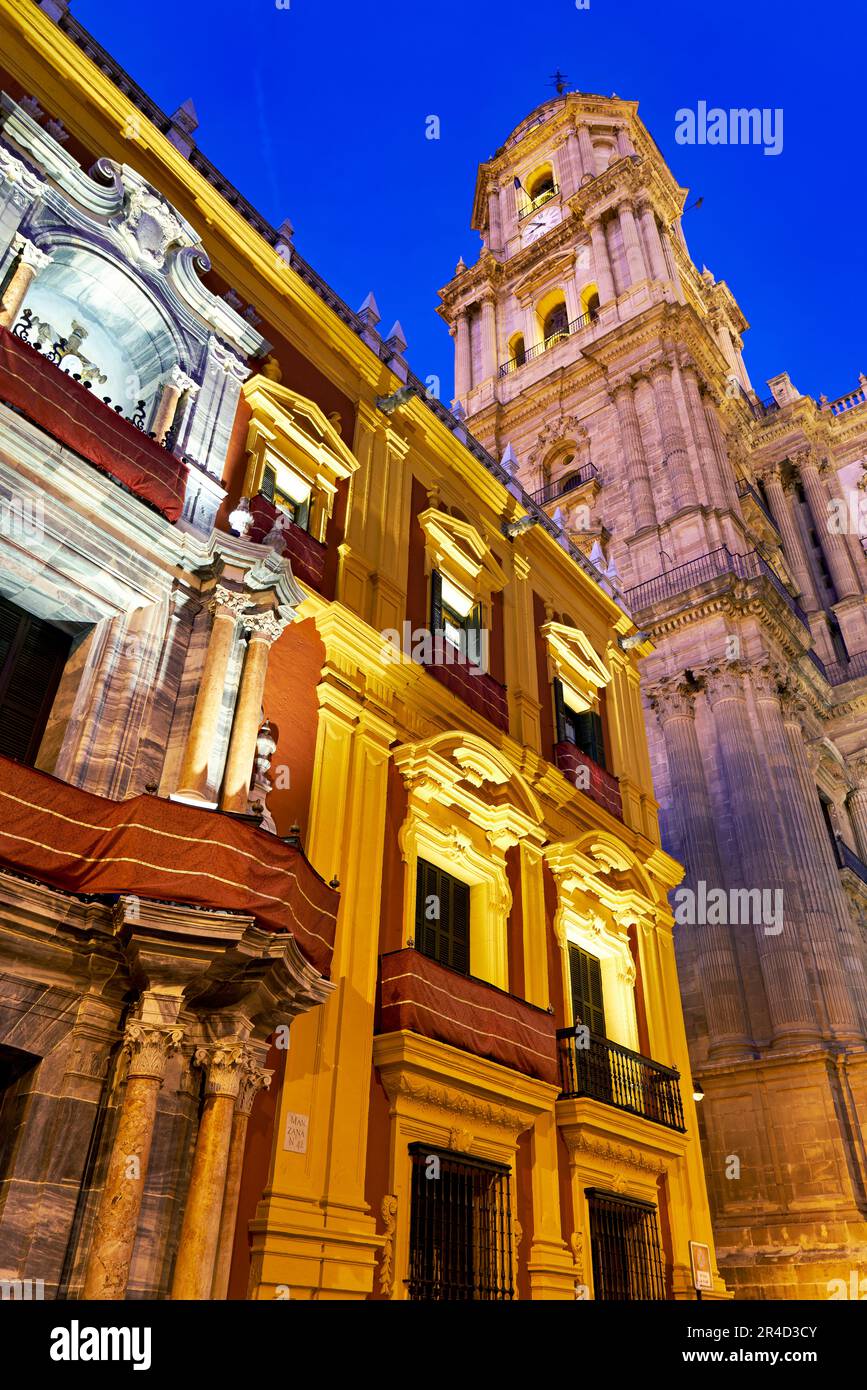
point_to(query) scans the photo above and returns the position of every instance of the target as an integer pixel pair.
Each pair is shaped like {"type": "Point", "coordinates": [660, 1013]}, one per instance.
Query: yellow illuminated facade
{"type": "Point", "coordinates": [460, 748]}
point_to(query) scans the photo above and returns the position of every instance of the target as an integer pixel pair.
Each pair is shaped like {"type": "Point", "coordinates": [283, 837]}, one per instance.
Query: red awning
{"type": "Point", "coordinates": [77, 418]}
{"type": "Point", "coordinates": [161, 849]}
{"type": "Point", "coordinates": [427, 998]}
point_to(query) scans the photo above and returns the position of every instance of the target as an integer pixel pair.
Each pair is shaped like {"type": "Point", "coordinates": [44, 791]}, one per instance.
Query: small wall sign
{"type": "Point", "coordinates": [295, 1133]}
{"type": "Point", "coordinates": [699, 1254]}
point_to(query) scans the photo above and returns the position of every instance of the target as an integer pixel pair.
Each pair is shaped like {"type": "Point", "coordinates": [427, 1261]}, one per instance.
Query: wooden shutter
{"type": "Point", "coordinates": [560, 714]}
{"type": "Point", "coordinates": [32, 657]}
{"type": "Point", "coordinates": [446, 939]}
{"type": "Point", "coordinates": [436, 602]}
{"type": "Point", "coordinates": [588, 735]}
{"type": "Point", "coordinates": [269, 482]}
{"type": "Point", "coordinates": [585, 973]}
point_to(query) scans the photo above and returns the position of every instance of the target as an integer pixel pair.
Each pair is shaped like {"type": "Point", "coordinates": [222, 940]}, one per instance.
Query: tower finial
{"type": "Point", "coordinates": [559, 81]}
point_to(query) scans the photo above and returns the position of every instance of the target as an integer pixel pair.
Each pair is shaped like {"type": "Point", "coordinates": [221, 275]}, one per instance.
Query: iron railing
{"type": "Point", "coordinates": [460, 1236]}
{"type": "Point", "coordinates": [540, 198]}
{"type": "Point", "coordinates": [836, 672]}
{"type": "Point", "coordinates": [704, 568]}
{"type": "Point", "coordinates": [628, 1264]}
{"type": "Point", "coordinates": [603, 1070]}
{"type": "Point", "coordinates": [515, 362]}
{"type": "Point", "coordinates": [746, 489]}
{"type": "Point", "coordinates": [847, 859]}
{"type": "Point", "coordinates": [560, 486]}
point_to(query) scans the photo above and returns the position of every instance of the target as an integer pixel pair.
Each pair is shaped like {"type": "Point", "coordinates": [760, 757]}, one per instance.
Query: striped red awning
{"type": "Point", "coordinates": [154, 848]}
{"type": "Point", "coordinates": [77, 418]}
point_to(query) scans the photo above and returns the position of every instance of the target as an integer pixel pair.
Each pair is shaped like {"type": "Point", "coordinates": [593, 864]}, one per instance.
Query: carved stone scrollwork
{"type": "Point", "coordinates": [389, 1220]}
{"type": "Point", "coordinates": [724, 683]}
{"type": "Point", "coordinates": [576, 1242]}
{"type": "Point", "coordinates": [149, 1047]}
{"type": "Point", "coordinates": [254, 1080]}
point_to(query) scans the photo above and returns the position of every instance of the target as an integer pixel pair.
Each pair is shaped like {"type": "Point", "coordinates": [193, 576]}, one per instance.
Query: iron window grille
{"type": "Point", "coordinates": [624, 1240]}
{"type": "Point", "coordinates": [460, 1242]}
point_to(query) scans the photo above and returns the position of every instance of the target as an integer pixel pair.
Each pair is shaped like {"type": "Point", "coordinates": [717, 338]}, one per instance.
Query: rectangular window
{"type": "Point", "coordinates": [583, 728]}
{"type": "Point", "coordinates": [585, 976]}
{"type": "Point", "coordinates": [456, 618]}
{"type": "Point", "coordinates": [460, 1240]}
{"type": "Point", "coordinates": [33, 654]}
{"type": "Point", "coordinates": [442, 917]}
{"type": "Point", "coordinates": [624, 1242]}
{"type": "Point", "coordinates": [296, 508]}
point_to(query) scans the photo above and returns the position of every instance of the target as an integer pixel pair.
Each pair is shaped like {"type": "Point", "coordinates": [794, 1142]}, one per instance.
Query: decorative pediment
{"type": "Point", "coordinates": [464, 771]}
{"type": "Point", "coordinates": [574, 661]}
{"type": "Point", "coordinates": [557, 270]}
{"type": "Point", "coordinates": [456, 549]}
{"type": "Point", "coordinates": [292, 436]}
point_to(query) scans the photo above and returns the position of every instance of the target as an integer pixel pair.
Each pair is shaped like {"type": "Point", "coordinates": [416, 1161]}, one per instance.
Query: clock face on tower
{"type": "Point", "coordinates": [539, 223]}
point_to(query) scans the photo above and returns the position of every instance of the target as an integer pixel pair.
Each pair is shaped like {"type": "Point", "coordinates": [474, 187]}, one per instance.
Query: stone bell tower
{"type": "Point", "coordinates": [606, 369]}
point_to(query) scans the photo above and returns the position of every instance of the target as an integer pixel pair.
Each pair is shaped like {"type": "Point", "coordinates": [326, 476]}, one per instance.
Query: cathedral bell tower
{"type": "Point", "coordinates": [607, 368]}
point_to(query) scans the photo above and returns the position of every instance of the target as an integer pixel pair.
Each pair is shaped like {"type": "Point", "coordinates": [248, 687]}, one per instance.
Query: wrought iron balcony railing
{"type": "Point", "coordinates": [515, 362]}
{"type": "Point", "coordinates": [561, 486]}
{"type": "Point", "coordinates": [676, 581]}
{"type": "Point", "coordinates": [616, 1076]}
{"type": "Point", "coordinates": [746, 489]}
{"type": "Point", "coordinates": [533, 203]}
{"type": "Point", "coordinates": [847, 859]}
{"type": "Point", "coordinates": [836, 672]}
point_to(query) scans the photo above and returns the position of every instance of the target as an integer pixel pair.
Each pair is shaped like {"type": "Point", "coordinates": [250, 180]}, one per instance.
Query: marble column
{"type": "Point", "coordinates": [707, 458]}
{"type": "Point", "coordinates": [174, 387]}
{"type": "Point", "coordinates": [833, 929]}
{"type": "Point", "coordinates": [675, 456]}
{"type": "Point", "coordinates": [652, 241]}
{"type": "Point", "coordinates": [193, 776]}
{"type": "Point", "coordinates": [248, 718]}
{"type": "Point", "coordinates": [638, 475]}
{"type": "Point", "coordinates": [585, 147]}
{"type": "Point", "coordinates": [858, 805]}
{"type": "Point", "coordinates": [692, 808]}
{"type": "Point", "coordinates": [489, 337]}
{"type": "Point", "coordinates": [601, 262]}
{"type": "Point", "coordinates": [632, 243]}
{"type": "Point", "coordinates": [815, 907]}
{"type": "Point", "coordinates": [226, 1063]}
{"type": "Point", "coordinates": [30, 262]}
{"type": "Point", "coordinates": [253, 1081]}
{"type": "Point", "coordinates": [463, 369]}
{"type": "Point", "coordinates": [149, 1047]}
{"type": "Point", "coordinates": [833, 543]}
{"type": "Point", "coordinates": [793, 544]}
{"type": "Point", "coordinates": [758, 834]}
{"type": "Point", "coordinates": [495, 227]}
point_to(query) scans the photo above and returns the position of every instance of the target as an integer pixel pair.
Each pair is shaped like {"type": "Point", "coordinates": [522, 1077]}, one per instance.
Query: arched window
{"type": "Point", "coordinates": [590, 301]}
{"type": "Point", "coordinates": [555, 324]}
{"type": "Point", "coordinates": [107, 330]}
{"type": "Point", "coordinates": [517, 351]}
{"type": "Point", "coordinates": [541, 185]}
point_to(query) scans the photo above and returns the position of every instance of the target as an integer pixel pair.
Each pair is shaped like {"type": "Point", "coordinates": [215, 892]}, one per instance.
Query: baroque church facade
{"type": "Point", "coordinates": [606, 371]}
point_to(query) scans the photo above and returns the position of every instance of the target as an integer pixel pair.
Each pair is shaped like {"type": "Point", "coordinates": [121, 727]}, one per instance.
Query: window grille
{"type": "Point", "coordinates": [460, 1244]}
{"type": "Point", "coordinates": [624, 1240]}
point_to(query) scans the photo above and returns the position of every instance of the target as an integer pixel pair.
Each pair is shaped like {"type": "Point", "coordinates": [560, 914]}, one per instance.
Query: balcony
{"type": "Point", "coordinates": [746, 489]}
{"type": "Point", "coordinates": [537, 202]}
{"type": "Point", "coordinates": [602, 786]}
{"type": "Point", "coordinates": [837, 672]}
{"type": "Point", "coordinates": [702, 570]}
{"type": "Point", "coordinates": [514, 363]}
{"type": "Point", "coordinates": [587, 473]}
{"type": "Point", "coordinates": [61, 836]}
{"type": "Point", "coordinates": [424, 997]}
{"type": "Point", "coordinates": [34, 385]}
{"type": "Point", "coordinates": [306, 554]}
{"type": "Point", "coordinates": [607, 1072]}
{"type": "Point", "coordinates": [847, 859]}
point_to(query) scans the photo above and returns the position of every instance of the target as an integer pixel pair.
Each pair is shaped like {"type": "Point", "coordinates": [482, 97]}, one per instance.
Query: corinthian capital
{"type": "Point", "coordinates": [226, 1062]}
{"type": "Point", "coordinates": [149, 1047]}
{"type": "Point", "coordinates": [253, 1080]}
{"type": "Point", "coordinates": [724, 683]}
{"type": "Point", "coordinates": [672, 699]}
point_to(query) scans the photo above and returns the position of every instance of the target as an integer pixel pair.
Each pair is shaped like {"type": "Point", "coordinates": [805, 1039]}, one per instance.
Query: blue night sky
{"type": "Point", "coordinates": [317, 112]}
